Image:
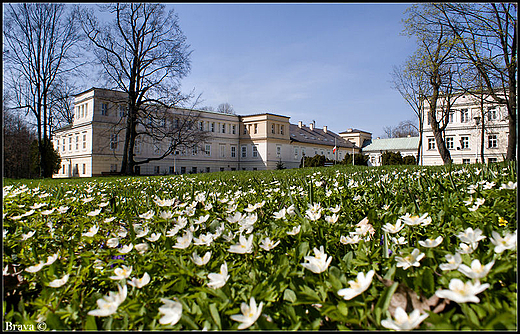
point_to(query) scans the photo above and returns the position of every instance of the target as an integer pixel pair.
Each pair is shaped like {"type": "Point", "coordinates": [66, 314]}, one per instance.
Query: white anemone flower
{"type": "Point", "coordinates": [461, 292]}
{"type": "Point", "coordinates": [317, 263]}
{"type": "Point", "coordinates": [250, 313]}
{"type": "Point", "coordinates": [62, 209]}
{"type": "Point", "coordinates": [147, 215]}
{"type": "Point", "coordinates": [454, 261]}
{"type": "Point", "coordinates": [164, 202]}
{"type": "Point", "coordinates": [126, 248]}
{"type": "Point", "coordinates": [122, 273]}
{"type": "Point", "coordinates": [416, 220]}
{"type": "Point", "coordinates": [510, 185]}
{"type": "Point", "coordinates": [332, 219]}
{"type": "Point", "coordinates": [353, 239]}
{"type": "Point", "coordinates": [51, 259]}
{"type": "Point", "coordinates": [140, 282]}
{"type": "Point", "coordinates": [244, 246]}
{"type": "Point", "coordinates": [268, 244]}
{"type": "Point", "coordinates": [404, 322]}
{"type": "Point", "coordinates": [471, 237]}
{"type": "Point", "coordinates": [48, 212]}
{"type": "Point", "coordinates": [410, 260]}
{"type": "Point", "coordinates": [141, 248]}
{"type": "Point", "coordinates": [112, 242]}
{"type": "Point", "coordinates": [200, 261]}
{"type": "Point", "coordinates": [219, 280]}
{"type": "Point", "coordinates": [399, 241]}
{"type": "Point", "coordinates": [94, 213]}
{"type": "Point", "coordinates": [140, 231]}
{"type": "Point", "coordinates": [313, 212]}
{"type": "Point", "coordinates": [26, 236]}
{"type": "Point", "coordinates": [201, 219]}
{"type": "Point", "coordinates": [203, 239]}
{"type": "Point", "coordinates": [184, 241]}
{"type": "Point", "coordinates": [393, 228]}
{"type": "Point", "coordinates": [295, 230]}
{"type": "Point", "coordinates": [108, 304]}
{"type": "Point", "coordinates": [92, 231]}
{"type": "Point", "coordinates": [154, 237]}
{"type": "Point", "coordinates": [280, 214]}
{"type": "Point", "coordinates": [59, 282]}
{"type": "Point", "coordinates": [357, 286]}
{"type": "Point", "coordinates": [477, 270]}
{"type": "Point", "coordinates": [35, 268]}
{"type": "Point", "coordinates": [166, 215]}
{"type": "Point", "coordinates": [503, 243]}
{"type": "Point", "coordinates": [171, 312]}
{"type": "Point", "coordinates": [431, 243]}
{"type": "Point", "coordinates": [335, 209]}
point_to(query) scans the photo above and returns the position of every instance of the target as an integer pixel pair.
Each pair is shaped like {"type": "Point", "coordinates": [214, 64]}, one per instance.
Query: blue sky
{"type": "Point", "coordinates": [311, 61]}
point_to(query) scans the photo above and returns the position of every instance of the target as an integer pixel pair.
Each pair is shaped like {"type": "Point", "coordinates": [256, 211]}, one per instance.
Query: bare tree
{"type": "Point", "coordinates": [39, 43]}
{"type": "Point", "coordinates": [143, 53]}
{"type": "Point", "coordinates": [226, 108]}
{"type": "Point", "coordinates": [414, 88]}
{"type": "Point", "coordinates": [403, 129]}
{"type": "Point", "coordinates": [487, 36]}
{"type": "Point", "coordinates": [435, 59]}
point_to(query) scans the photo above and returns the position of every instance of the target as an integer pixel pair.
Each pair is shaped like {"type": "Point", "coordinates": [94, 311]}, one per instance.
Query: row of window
{"type": "Point", "coordinates": [61, 147]}
{"type": "Point", "coordinates": [492, 142]}
{"type": "Point", "coordinates": [491, 114]}
{"type": "Point", "coordinates": [65, 170]}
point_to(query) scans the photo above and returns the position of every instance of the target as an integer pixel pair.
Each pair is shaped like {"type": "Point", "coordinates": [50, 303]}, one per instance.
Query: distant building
{"type": "Point", "coordinates": [463, 133]}
{"type": "Point", "coordinates": [406, 146]}
{"type": "Point", "coordinates": [92, 145]}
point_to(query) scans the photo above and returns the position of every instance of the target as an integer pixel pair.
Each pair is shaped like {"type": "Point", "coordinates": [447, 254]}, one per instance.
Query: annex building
{"type": "Point", "coordinates": [93, 144]}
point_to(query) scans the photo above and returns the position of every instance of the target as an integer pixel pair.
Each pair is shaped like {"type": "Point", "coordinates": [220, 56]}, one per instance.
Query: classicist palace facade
{"type": "Point", "coordinates": [93, 146]}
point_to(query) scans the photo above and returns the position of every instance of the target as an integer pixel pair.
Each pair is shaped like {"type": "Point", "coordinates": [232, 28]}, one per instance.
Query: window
{"type": "Point", "coordinates": [303, 151]}
{"type": "Point", "coordinates": [245, 129]}
{"type": "Point", "coordinates": [464, 116]}
{"type": "Point", "coordinates": [63, 171]}
{"type": "Point", "coordinates": [449, 143]}
{"type": "Point", "coordinates": [63, 147]}
{"type": "Point", "coordinates": [201, 126]}
{"type": "Point", "coordinates": [104, 109]}
{"type": "Point", "coordinates": [176, 123]}
{"type": "Point", "coordinates": [137, 146]}
{"type": "Point", "coordinates": [194, 150]}
{"type": "Point", "coordinates": [296, 153]}
{"type": "Point", "coordinates": [431, 143]}
{"type": "Point", "coordinates": [221, 169]}
{"type": "Point", "coordinates": [233, 151]}
{"type": "Point", "coordinates": [492, 160]}
{"type": "Point", "coordinates": [234, 129]}
{"type": "Point", "coordinates": [464, 143]}
{"type": "Point", "coordinates": [194, 170]}
{"type": "Point", "coordinates": [492, 141]}
{"type": "Point", "coordinates": [208, 169]}
{"type": "Point", "coordinates": [278, 150]}
{"type": "Point", "coordinates": [492, 114]}
{"type": "Point", "coordinates": [466, 161]}
{"type": "Point", "coordinates": [212, 126]}
{"type": "Point", "coordinates": [255, 151]}
{"type": "Point", "coordinates": [157, 169]}
{"type": "Point", "coordinates": [84, 141]}
{"type": "Point", "coordinates": [155, 146]}
{"type": "Point", "coordinates": [244, 151]}
{"type": "Point", "coordinates": [113, 168]}
{"type": "Point", "coordinates": [208, 150]}
{"type": "Point", "coordinates": [70, 143]}
{"type": "Point", "coordinates": [84, 169]}
{"type": "Point", "coordinates": [113, 141]}
{"type": "Point", "coordinates": [223, 127]}
{"type": "Point", "coordinates": [256, 128]}
{"type": "Point", "coordinates": [183, 170]}
{"type": "Point", "coordinates": [172, 170]}
{"type": "Point", "coordinates": [272, 129]}
{"type": "Point", "coordinates": [281, 129]}
{"type": "Point", "coordinates": [121, 111]}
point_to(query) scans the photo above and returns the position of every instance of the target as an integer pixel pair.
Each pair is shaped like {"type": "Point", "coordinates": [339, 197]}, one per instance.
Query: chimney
{"type": "Point", "coordinates": [300, 124]}
{"type": "Point", "coordinates": [311, 125]}
{"type": "Point", "coordinates": [325, 128]}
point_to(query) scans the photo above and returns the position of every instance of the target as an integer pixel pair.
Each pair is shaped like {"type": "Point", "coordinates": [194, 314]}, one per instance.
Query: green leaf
{"type": "Point", "coordinates": [289, 295]}
{"type": "Point", "coordinates": [215, 315]}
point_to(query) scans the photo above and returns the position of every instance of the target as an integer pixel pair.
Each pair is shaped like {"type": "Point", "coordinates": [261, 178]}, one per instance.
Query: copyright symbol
{"type": "Point", "coordinates": [41, 326]}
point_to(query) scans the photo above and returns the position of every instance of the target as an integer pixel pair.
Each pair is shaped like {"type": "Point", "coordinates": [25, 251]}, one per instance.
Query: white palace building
{"type": "Point", "coordinates": [90, 146]}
